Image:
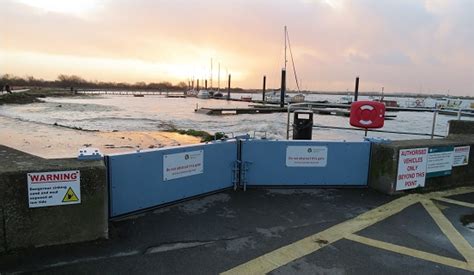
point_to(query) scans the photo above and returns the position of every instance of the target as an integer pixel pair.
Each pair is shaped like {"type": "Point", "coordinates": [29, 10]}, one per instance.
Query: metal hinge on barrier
{"type": "Point", "coordinates": [244, 168]}
{"type": "Point", "coordinates": [236, 174]}
{"type": "Point", "coordinates": [239, 174]}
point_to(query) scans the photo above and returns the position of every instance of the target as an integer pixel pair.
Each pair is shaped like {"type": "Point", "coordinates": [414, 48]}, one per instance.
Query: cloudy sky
{"type": "Point", "coordinates": [402, 45]}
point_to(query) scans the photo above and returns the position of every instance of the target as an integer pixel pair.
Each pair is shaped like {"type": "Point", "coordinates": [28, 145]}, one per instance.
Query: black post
{"type": "Point", "coordinates": [283, 88]}
{"type": "Point", "coordinates": [264, 87]}
{"type": "Point", "coordinates": [192, 85]}
{"type": "Point", "coordinates": [205, 84]}
{"type": "Point", "coordinates": [356, 92]}
{"type": "Point", "coordinates": [197, 85]}
{"type": "Point", "coordinates": [228, 88]}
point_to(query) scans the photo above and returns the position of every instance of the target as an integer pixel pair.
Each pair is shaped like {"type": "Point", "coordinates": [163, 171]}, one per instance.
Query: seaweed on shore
{"type": "Point", "coordinates": [18, 98]}
{"type": "Point", "coordinates": [205, 136]}
{"type": "Point", "coordinates": [74, 128]}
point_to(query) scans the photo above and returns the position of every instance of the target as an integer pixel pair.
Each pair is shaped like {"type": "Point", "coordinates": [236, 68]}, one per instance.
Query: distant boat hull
{"type": "Point", "coordinates": [275, 98]}
{"type": "Point", "coordinates": [297, 98]}
{"type": "Point", "coordinates": [191, 93]}
{"type": "Point", "coordinates": [203, 94]}
{"type": "Point", "coordinates": [388, 103]}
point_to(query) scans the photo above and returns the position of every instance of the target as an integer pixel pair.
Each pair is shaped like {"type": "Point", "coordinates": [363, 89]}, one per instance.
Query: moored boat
{"type": "Point", "coordinates": [203, 94]}
{"type": "Point", "coordinates": [297, 98]}
{"type": "Point", "coordinates": [191, 93]}
{"type": "Point", "coordinates": [246, 98]}
{"type": "Point", "coordinates": [388, 103]}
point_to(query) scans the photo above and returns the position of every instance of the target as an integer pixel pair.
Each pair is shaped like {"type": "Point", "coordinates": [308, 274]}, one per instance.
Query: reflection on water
{"type": "Point", "coordinates": [151, 113]}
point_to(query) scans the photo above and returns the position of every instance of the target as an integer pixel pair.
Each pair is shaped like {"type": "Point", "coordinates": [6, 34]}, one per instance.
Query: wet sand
{"type": "Point", "coordinates": [50, 141]}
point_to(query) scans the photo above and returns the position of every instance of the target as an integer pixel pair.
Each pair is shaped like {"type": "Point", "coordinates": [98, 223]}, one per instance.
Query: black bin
{"type": "Point", "coordinates": [303, 124]}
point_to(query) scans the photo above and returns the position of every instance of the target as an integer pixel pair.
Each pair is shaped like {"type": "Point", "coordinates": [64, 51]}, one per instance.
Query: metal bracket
{"type": "Point", "coordinates": [262, 132]}
{"type": "Point", "coordinates": [89, 154]}
{"type": "Point", "coordinates": [244, 168]}
{"type": "Point", "coordinates": [235, 173]}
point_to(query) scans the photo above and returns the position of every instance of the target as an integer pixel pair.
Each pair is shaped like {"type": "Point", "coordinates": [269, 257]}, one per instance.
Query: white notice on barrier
{"type": "Point", "coordinates": [54, 188]}
{"type": "Point", "coordinates": [461, 155]}
{"type": "Point", "coordinates": [181, 165]}
{"type": "Point", "coordinates": [306, 156]}
{"type": "Point", "coordinates": [412, 168]}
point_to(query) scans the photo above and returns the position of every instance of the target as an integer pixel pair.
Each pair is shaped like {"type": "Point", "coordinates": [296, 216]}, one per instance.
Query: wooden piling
{"type": "Point", "coordinates": [264, 87]}
{"type": "Point", "coordinates": [356, 91]}
{"type": "Point", "coordinates": [228, 87]}
{"type": "Point", "coordinates": [283, 88]}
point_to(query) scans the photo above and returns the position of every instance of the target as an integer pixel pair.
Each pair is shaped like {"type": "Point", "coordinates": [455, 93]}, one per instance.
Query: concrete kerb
{"type": "Point", "coordinates": [33, 227]}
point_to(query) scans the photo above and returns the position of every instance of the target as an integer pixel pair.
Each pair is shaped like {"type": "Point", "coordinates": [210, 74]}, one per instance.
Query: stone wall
{"type": "Point", "coordinates": [384, 159]}
{"type": "Point", "coordinates": [32, 227]}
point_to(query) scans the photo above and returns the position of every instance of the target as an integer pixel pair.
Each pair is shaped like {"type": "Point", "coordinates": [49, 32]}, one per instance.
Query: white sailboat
{"type": "Point", "coordinates": [203, 94]}
{"type": "Point", "coordinates": [275, 97]}
{"type": "Point", "coordinates": [218, 94]}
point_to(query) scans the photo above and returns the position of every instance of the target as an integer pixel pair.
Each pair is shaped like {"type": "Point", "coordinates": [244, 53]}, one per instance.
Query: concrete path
{"type": "Point", "coordinates": [277, 231]}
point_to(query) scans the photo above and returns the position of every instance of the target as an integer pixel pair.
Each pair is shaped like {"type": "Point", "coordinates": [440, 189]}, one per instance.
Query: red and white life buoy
{"type": "Point", "coordinates": [367, 114]}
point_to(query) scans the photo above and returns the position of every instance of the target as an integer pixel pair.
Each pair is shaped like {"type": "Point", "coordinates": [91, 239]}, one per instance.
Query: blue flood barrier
{"type": "Point", "coordinates": [264, 163]}
{"type": "Point", "coordinates": [138, 180]}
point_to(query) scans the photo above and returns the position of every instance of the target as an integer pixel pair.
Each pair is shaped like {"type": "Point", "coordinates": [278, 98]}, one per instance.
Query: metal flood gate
{"type": "Point", "coordinates": [294, 163]}
{"type": "Point", "coordinates": [151, 178]}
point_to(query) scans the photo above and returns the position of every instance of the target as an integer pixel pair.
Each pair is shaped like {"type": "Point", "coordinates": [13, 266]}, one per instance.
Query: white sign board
{"type": "Point", "coordinates": [440, 161]}
{"type": "Point", "coordinates": [306, 156]}
{"type": "Point", "coordinates": [181, 165]}
{"type": "Point", "coordinates": [54, 188]}
{"type": "Point", "coordinates": [461, 155]}
{"type": "Point", "coordinates": [412, 168]}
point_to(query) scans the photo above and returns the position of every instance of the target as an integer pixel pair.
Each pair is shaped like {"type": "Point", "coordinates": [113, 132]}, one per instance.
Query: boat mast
{"type": "Point", "coordinates": [211, 76]}
{"type": "Point", "coordinates": [219, 78]}
{"type": "Point", "coordinates": [287, 40]}
{"type": "Point", "coordinates": [286, 61]}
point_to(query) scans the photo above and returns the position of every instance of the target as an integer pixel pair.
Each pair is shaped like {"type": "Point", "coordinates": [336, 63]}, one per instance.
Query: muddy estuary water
{"type": "Point", "coordinates": [156, 113]}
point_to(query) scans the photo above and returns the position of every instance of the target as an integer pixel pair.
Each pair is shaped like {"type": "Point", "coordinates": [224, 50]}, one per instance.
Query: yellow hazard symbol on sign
{"type": "Point", "coordinates": [70, 196]}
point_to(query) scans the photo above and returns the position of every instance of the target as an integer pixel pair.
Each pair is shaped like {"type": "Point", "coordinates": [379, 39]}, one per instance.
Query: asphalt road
{"type": "Point", "coordinates": [277, 231]}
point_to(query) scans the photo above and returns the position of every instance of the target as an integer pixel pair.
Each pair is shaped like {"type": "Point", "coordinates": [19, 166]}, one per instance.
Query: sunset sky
{"type": "Point", "coordinates": [402, 45]}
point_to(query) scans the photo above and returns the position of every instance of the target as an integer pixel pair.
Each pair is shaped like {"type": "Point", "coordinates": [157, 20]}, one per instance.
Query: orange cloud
{"type": "Point", "coordinates": [400, 45]}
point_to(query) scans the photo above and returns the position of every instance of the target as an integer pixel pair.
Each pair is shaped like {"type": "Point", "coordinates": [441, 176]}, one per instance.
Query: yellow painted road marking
{"type": "Point", "coordinates": [286, 254]}
{"type": "Point", "coordinates": [450, 231]}
{"type": "Point", "coordinates": [308, 245]}
{"type": "Point", "coordinates": [448, 193]}
{"type": "Point", "coordinates": [411, 252]}
{"type": "Point", "coordinates": [461, 203]}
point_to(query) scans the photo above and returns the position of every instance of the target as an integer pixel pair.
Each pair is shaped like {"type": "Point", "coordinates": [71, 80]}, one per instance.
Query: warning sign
{"type": "Point", "coordinates": [440, 161]}
{"type": "Point", "coordinates": [306, 156]}
{"type": "Point", "coordinates": [70, 196]}
{"type": "Point", "coordinates": [461, 155]}
{"type": "Point", "coordinates": [412, 168]}
{"type": "Point", "coordinates": [181, 165]}
{"type": "Point", "coordinates": [54, 188]}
